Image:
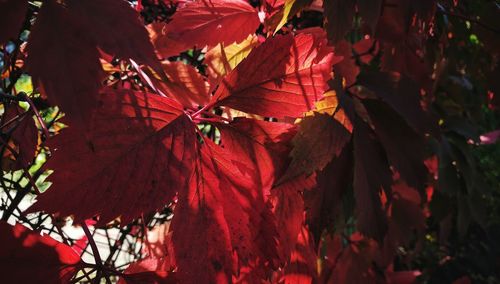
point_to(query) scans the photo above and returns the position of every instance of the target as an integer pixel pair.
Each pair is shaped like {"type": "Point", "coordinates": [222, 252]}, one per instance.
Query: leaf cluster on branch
{"type": "Point", "coordinates": [234, 141]}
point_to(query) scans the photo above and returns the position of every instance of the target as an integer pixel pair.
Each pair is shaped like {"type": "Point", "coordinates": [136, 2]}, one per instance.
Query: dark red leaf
{"type": "Point", "coordinates": [257, 147]}
{"type": "Point", "coordinates": [338, 18]}
{"type": "Point", "coordinates": [24, 134]}
{"type": "Point", "coordinates": [406, 216]}
{"type": "Point", "coordinates": [371, 176]}
{"type": "Point", "coordinates": [116, 28]}
{"type": "Point", "coordinates": [323, 204]}
{"type": "Point", "coordinates": [370, 11]}
{"type": "Point", "coordinates": [62, 58]}
{"type": "Point", "coordinates": [406, 59]}
{"type": "Point", "coordinates": [12, 14]}
{"type": "Point", "coordinates": [27, 257]}
{"type": "Point", "coordinates": [403, 95]}
{"type": "Point", "coordinates": [404, 148]}
{"type": "Point", "coordinates": [402, 277]}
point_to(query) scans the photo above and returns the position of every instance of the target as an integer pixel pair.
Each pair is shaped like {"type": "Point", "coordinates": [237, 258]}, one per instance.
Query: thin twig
{"type": "Point", "coordinates": [95, 251]}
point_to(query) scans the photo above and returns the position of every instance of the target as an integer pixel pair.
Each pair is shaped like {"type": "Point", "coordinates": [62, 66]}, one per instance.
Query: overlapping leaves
{"type": "Point", "coordinates": [255, 202]}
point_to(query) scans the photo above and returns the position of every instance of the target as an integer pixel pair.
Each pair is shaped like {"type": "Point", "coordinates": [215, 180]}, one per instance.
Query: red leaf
{"type": "Point", "coordinates": [136, 156]}
{"type": "Point", "coordinates": [64, 60]}
{"type": "Point", "coordinates": [189, 86]}
{"type": "Point", "coordinates": [116, 28]}
{"type": "Point", "coordinates": [406, 211]}
{"type": "Point", "coordinates": [256, 146]}
{"type": "Point", "coordinates": [184, 83]}
{"type": "Point", "coordinates": [225, 208]}
{"type": "Point", "coordinates": [302, 267]}
{"type": "Point", "coordinates": [200, 23]}
{"type": "Point", "coordinates": [282, 77]}
{"type": "Point", "coordinates": [353, 263]}
{"type": "Point", "coordinates": [201, 237]}
{"type": "Point", "coordinates": [149, 270]}
{"type": "Point", "coordinates": [367, 49]}
{"type": "Point", "coordinates": [406, 215]}
{"type": "Point", "coordinates": [12, 14]}
{"type": "Point", "coordinates": [346, 68]}
{"type": "Point", "coordinates": [27, 257]}
{"type": "Point", "coordinates": [288, 207]}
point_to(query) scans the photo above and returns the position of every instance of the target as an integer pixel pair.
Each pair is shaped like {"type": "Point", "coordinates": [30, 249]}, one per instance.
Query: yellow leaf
{"type": "Point", "coordinates": [221, 60]}
{"type": "Point", "coordinates": [291, 8]}
{"type": "Point", "coordinates": [330, 105]}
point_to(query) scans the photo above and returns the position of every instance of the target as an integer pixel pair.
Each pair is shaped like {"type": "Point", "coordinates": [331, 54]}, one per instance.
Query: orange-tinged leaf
{"type": "Point", "coordinates": [208, 23]}
{"type": "Point", "coordinates": [323, 133]}
{"type": "Point", "coordinates": [319, 140]}
{"type": "Point", "coordinates": [290, 9]}
{"type": "Point", "coordinates": [182, 82]}
{"type": "Point", "coordinates": [331, 106]}
{"type": "Point", "coordinates": [282, 77]}
{"type": "Point", "coordinates": [223, 59]}
{"type": "Point", "coordinates": [188, 85]}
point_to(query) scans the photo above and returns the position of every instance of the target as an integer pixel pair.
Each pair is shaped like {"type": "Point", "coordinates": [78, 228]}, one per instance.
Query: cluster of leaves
{"type": "Point", "coordinates": [280, 141]}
